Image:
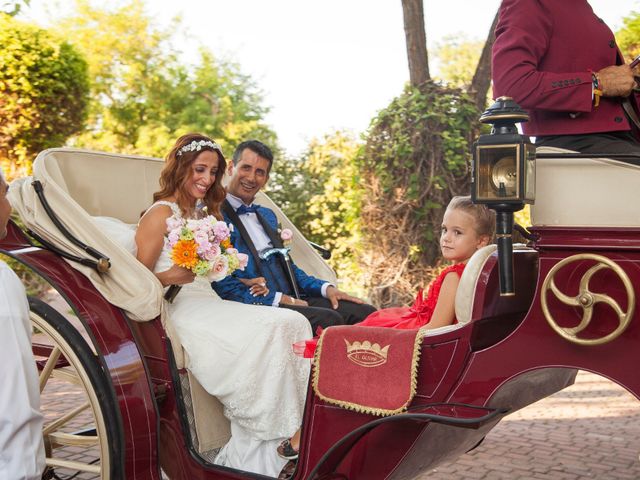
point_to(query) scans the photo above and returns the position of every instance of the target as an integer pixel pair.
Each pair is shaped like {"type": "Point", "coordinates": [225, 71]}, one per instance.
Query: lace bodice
{"type": "Point", "coordinates": [164, 261]}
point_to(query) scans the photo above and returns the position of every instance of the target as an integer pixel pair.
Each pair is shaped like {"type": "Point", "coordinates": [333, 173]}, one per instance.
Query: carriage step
{"type": "Point", "coordinates": [455, 414]}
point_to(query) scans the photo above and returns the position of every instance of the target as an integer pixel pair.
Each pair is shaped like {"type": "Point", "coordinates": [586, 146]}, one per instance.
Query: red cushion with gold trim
{"type": "Point", "coordinates": [367, 369]}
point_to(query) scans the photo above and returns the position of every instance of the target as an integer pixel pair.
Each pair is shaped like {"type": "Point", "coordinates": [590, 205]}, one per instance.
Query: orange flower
{"type": "Point", "coordinates": [184, 254]}
{"type": "Point", "coordinates": [226, 243]}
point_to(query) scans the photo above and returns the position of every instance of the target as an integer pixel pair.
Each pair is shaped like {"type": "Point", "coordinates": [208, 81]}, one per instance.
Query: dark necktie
{"type": "Point", "coordinates": [242, 209]}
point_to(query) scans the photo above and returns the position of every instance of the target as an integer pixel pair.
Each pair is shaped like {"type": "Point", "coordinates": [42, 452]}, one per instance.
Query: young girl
{"type": "Point", "coordinates": [466, 227]}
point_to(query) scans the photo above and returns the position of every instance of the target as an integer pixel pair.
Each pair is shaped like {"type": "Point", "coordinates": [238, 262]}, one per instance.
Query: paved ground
{"type": "Point", "coordinates": [590, 430]}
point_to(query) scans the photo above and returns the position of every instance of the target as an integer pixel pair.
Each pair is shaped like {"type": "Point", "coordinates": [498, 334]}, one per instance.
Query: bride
{"type": "Point", "coordinates": [240, 353]}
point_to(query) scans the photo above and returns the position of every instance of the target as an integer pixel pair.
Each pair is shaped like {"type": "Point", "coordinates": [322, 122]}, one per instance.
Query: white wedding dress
{"type": "Point", "coordinates": [243, 355]}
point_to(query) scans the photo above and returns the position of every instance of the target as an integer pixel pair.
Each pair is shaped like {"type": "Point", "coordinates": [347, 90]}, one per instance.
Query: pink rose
{"type": "Point", "coordinates": [286, 235]}
{"type": "Point", "coordinates": [212, 252]}
{"type": "Point", "coordinates": [243, 258]}
{"type": "Point", "coordinates": [219, 269]}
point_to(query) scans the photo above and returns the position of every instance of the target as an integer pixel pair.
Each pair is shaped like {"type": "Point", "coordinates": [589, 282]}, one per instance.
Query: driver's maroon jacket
{"type": "Point", "coordinates": [543, 56]}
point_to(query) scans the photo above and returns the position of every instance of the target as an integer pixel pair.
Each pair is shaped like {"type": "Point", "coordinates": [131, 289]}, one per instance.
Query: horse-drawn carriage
{"type": "Point", "coordinates": [142, 411]}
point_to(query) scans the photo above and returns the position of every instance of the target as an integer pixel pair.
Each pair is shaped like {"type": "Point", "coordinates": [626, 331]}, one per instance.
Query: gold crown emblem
{"type": "Point", "coordinates": [367, 354]}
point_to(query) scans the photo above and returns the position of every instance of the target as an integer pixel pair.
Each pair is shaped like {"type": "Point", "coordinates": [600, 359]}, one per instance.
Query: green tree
{"type": "Point", "coordinates": [43, 92]}
{"type": "Point", "coordinates": [321, 193]}
{"type": "Point", "coordinates": [458, 57]}
{"type": "Point", "coordinates": [143, 93]}
{"type": "Point", "coordinates": [628, 37]}
{"type": "Point", "coordinates": [12, 8]}
{"type": "Point", "coordinates": [415, 159]}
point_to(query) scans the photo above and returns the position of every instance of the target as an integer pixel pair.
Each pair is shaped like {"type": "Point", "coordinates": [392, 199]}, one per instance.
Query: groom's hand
{"type": "Point", "coordinates": [288, 300]}
{"type": "Point", "coordinates": [334, 296]}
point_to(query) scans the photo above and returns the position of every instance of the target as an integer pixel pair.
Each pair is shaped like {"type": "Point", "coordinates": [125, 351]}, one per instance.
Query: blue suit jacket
{"type": "Point", "coordinates": [230, 288]}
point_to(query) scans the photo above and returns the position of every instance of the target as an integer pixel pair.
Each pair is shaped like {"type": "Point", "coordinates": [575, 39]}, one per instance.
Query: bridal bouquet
{"type": "Point", "coordinates": [202, 246]}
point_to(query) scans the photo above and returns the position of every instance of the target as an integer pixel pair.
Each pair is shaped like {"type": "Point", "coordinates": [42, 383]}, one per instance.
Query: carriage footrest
{"type": "Point", "coordinates": [455, 414]}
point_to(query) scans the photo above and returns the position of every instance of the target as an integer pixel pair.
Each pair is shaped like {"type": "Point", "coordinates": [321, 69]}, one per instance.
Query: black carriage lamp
{"type": "Point", "coordinates": [503, 177]}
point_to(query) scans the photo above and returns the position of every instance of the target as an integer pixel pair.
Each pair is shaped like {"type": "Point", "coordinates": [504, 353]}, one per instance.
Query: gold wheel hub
{"type": "Point", "coordinates": [586, 299]}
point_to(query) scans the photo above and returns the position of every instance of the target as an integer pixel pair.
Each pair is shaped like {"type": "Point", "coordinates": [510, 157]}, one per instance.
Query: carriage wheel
{"type": "Point", "coordinates": [81, 429]}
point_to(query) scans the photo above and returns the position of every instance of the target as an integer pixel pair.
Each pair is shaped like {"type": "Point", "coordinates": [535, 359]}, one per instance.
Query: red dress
{"type": "Point", "coordinates": [407, 318]}
{"type": "Point", "coordinates": [417, 315]}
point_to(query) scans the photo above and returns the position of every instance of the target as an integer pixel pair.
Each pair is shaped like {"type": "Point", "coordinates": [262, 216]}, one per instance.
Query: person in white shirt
{"type": "Point", "coordinates": [22, 454]}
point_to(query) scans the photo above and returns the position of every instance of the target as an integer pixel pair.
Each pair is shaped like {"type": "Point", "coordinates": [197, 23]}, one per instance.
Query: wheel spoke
{"type": "Point", "coordinates": [586, 319]}
{"type": "Point", "coordinates": [60, 439]}
{"type": "Point", "coordinates": [49, 367]}
{"type": "Point", "coordinates": [67, 374]}
{"type": "Point", "coordinates": [73, 465]}
{"type": "Point", "coordinates": [75, 434]}
{"type": "Point", "coordinates": [566, 299]}
{"type": "Point", "coordinates": [65, 418]}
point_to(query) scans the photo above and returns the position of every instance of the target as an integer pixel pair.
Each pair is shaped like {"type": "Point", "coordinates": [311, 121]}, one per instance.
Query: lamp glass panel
{"type": "Point", "coordinates": [530, 173]}
{"type": "Point", "coordinates": [497, 172]}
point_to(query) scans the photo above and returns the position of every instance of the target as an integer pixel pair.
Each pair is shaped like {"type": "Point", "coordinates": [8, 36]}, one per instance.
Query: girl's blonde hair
{"type": "Point", "coordinates": [485, 218]}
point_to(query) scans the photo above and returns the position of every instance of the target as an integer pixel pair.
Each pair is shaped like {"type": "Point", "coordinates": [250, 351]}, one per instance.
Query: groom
{"type": "Point", "coordinates": [255, 231]}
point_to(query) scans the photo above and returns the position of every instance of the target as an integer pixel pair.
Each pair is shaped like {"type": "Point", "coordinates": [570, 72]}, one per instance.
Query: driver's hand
{"type": "Point", "coordinates": [616, 81]}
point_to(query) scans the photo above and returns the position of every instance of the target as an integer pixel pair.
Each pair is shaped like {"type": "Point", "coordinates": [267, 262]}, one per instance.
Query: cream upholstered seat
{"type": "Point", "coordinates": [468, 283]}
{"type": "Point", "coordinates": [82, 184]}
{"type": "Point", "coordinates": [466, 290]}
{"type": "Point", "coordinates": [476, 271]}
{"type": "Point", "coordinates": [579, 192]}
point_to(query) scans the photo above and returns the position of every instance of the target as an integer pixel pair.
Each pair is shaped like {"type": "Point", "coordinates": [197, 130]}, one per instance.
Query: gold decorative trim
{"type": "Point", "coordinates": [382, 412]}
{"type": "Point", "coordinates": [587, 299]}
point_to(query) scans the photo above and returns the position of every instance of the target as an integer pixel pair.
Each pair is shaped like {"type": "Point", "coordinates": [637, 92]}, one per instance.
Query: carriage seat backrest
{"type": "Point", "coordinates": [580, 192]}
{"type": "Point", "coordinates": [469, 281]}
{"type": "Point", "coordinates": [473, 302]}
{"type": "Point", "coordinates": [466, 290]}
{"type": "Point", "coordinates": [110, 185]}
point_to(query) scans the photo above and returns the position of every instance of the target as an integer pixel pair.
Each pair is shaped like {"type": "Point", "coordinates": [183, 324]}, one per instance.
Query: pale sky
{"type": "Point", "coordinates": [323, 64]}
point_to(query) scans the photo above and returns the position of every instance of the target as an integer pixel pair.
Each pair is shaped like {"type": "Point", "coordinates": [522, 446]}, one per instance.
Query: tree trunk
{"type": "Point", "coordinates": [414, 31]}
{"type": "Point", "coordinates": [482, 76]}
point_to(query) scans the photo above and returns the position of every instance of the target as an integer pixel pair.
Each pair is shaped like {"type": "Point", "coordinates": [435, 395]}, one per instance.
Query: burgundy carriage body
{"type": "Point", "coordinates": [506, 356]}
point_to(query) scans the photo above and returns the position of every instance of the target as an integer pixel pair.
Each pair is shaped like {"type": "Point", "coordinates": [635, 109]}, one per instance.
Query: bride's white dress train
{"type": "Point", "coordinates": [243, 355]}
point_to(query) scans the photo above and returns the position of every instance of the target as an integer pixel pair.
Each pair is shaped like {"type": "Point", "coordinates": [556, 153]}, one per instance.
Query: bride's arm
{"type": "Point", "coordinates": [150, 241]}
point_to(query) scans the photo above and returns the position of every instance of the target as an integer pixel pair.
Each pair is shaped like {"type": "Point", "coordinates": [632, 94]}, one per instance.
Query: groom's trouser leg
{"type": "Point", "coordinates": [350, 312]}
{"type": "Point", "coordinates": [320, 313]}
{"type": "Point", "coordinates": [318, 317]}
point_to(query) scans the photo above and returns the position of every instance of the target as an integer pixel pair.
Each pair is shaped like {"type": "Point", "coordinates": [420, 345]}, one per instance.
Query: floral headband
{"type": "Point", "coordinates": [197, 145]}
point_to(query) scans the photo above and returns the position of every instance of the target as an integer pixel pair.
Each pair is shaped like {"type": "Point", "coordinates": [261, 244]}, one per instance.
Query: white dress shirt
{"type": "Point", "coordinates": [21, 446]}
{"type": "Point", "coordinates": [260, 238]}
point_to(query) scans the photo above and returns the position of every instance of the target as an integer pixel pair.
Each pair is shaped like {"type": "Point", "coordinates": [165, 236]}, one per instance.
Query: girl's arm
{"type": "Point", "coordinates": [150, 241]}
{"type": "Point", "coordinates": [445, 312]}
